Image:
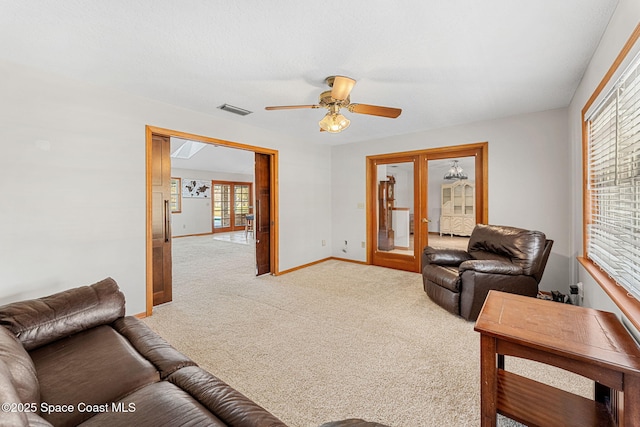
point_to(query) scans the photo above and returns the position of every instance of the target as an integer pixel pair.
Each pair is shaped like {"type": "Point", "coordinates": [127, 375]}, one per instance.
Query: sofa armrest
{"type": "Point", "coordinates": [491, 267]}
{"type": "Point", "coordinates": [228, 404]}
{"type": "Point", "coordinates": [41, 321]}
{"type": "Point", "coordinates": [453, 257]}
{"type": "Point", "coordinates": [152, 346]}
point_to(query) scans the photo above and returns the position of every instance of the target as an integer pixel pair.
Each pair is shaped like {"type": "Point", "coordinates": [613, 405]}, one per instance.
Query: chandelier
{"type": "Point", "coordinates": [455, 172]}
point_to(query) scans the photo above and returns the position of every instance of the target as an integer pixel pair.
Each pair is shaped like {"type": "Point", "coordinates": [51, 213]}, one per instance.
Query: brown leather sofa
{"type": "Point", "coordinates": [73, 358]}
{"type": "Point", "coordinates": [503, 258]}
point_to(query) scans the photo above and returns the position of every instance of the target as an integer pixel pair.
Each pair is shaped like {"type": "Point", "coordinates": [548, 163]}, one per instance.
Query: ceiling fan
{"type": "Point", "coordinates": [337, 98]}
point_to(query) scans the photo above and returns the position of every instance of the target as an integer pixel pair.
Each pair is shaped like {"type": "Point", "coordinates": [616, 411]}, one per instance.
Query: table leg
{"type": "Point", "coordinates": [631, 397]}
{"type": "Point", "coordinates": [488, 381]}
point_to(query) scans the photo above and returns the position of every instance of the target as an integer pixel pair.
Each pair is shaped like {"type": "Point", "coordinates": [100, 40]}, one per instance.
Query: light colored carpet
{"type": "Point", "coordinates": [332, 341]}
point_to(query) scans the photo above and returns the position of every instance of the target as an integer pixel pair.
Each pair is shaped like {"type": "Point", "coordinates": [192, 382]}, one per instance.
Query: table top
{"type": "Point", "coordinates": [578, 333]}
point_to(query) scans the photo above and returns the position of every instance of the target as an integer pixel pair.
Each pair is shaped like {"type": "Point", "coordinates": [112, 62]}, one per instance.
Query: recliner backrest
{"type": "Point", "coordinates": [38, 322]}
{"type": "Point", "coordinates": [524, 248]}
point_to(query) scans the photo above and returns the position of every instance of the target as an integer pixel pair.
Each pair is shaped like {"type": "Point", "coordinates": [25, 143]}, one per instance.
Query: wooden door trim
{"type": "Point", "coordinates": [478, 150]}
{"type": "Point", "coordinates": [149, 131]}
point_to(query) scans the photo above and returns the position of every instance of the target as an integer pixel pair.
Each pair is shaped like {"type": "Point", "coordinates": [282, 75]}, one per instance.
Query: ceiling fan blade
{"type": "Point", "coordinates": [375, 110]}
{"type": "Point", "coordinates": [342, 87]}
{"type": "Point", "coordinates": [290, 107]}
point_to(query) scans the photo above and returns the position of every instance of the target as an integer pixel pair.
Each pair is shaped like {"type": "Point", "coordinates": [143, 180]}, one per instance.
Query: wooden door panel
{"type": "Point", "coordinates": [388, 198]}
{"type": "Point", "coordinates": [161, 219]}
{"type": "Point", "coordinates": [263, 213]}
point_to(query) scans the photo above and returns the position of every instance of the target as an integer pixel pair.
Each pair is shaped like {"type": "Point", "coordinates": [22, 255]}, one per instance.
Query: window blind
{"type": "Point", "coordinates": [613, 163]}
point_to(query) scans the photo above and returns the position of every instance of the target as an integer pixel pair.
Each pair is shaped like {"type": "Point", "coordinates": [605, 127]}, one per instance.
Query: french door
{"type": "Point", "coordinates": [395, 202]}
{"type": "Point", "coordinates": [398, 211]}
{"type": "Point", "coordinates": [231, 203]}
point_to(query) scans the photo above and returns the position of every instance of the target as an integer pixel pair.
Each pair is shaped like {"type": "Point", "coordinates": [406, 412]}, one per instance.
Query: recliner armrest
{"type": "Point", "coordinates": [491, 267]}
{"type": "Point", "coordinates": [437, 256]}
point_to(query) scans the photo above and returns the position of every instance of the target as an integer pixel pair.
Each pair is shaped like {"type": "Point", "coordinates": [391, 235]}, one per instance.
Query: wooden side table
{"type": "Point", "coordinates": [587, 342]}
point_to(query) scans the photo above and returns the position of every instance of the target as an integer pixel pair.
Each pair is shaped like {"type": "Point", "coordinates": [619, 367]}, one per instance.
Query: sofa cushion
{"type": "Point", "coordinates": [22, 375]}
{"type": "Point", "coordinates": [40, 321]}
{"type": "Point", "coordinates": [158, 404]}
{"type": "Point", "coordinates": [96, 366]}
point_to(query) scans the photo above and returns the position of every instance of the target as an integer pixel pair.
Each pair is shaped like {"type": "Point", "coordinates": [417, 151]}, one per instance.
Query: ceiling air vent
{"type": "Point", "coordinates": [235, 110]}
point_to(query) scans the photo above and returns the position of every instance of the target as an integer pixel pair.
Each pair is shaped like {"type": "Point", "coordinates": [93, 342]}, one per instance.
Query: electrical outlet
{"type": "Point", "coordinates": [363, 244]}
{"type": "Point", "coordinates": [324, 243]}
{"type": "Point", "coordinates": [344, 249]}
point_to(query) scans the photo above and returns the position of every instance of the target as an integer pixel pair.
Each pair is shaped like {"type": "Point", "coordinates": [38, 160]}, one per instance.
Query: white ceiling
{"type": "Point", "coordinates": [442, 62]}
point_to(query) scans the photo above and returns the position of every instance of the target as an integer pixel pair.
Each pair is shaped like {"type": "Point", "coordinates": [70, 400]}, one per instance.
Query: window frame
{"type": "Point", "coordinates": [626, 302]}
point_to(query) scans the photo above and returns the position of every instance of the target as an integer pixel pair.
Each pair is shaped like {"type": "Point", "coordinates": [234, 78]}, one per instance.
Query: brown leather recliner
{"type": "Point", "coordinates": [503, 258]}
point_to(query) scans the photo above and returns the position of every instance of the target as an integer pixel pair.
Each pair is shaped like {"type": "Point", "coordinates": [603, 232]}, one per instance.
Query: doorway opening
{"type": "Point", "coordinates": [400, 209]}
{"type": "Point", "coordinates": [160, 204]}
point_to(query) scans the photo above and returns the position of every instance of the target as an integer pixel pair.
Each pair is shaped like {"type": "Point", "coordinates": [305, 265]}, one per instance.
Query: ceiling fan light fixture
{"type": "Point", "coordinates": [339, 97]}
{"type": "Point", "coordinates": [334, 123]}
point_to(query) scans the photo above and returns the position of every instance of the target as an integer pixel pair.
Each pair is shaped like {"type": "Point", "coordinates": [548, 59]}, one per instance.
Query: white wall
{"type": "Point", "coordinates": [73, 177]}
{"type": "Point", "coordinates": [622, 24]}
{"type": "Point", "coordinates": [196, 215]}
{"type": "Point", "coordinates": [529, 181]}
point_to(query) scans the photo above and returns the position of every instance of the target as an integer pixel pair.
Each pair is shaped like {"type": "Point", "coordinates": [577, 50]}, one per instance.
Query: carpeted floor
{"type": "Point", "coordinates": [332, 341]}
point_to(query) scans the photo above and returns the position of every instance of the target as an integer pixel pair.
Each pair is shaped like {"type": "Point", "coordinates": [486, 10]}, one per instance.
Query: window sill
{"type": "Point", "coordinates": [625, 302]}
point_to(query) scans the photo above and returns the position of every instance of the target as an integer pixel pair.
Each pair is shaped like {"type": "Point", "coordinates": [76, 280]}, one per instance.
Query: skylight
{"type": "Point", "coordinates": [188, 149]}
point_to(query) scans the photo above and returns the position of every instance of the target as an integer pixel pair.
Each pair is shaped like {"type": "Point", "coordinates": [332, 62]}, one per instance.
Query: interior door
{"type": "Point", "coordinates": [161, 218]}
{"type": "Point", "coordinates": [263, 213]}
{"type": "Point", "coordinates": [395, 202]}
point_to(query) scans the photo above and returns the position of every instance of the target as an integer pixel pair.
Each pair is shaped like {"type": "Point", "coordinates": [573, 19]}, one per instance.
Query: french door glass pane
{"type": "Point", "coordinates": [221, 205]}
{"type": "Point", "coordinates": [241, 203]}
{"type": "Point", "coordinates": [395, 208]}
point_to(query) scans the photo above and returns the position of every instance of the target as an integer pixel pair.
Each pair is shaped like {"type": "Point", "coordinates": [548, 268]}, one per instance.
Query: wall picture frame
{"type": "Point", "coordinates": [196, 188]}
